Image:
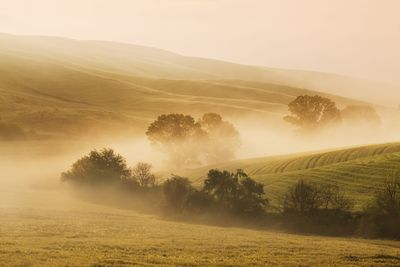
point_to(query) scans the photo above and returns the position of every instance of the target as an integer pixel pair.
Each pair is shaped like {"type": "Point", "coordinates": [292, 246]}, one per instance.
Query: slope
{"type": "Point", "coordinates": [360, 170]}
{"type": "Point", "coordinates": [59, 86]}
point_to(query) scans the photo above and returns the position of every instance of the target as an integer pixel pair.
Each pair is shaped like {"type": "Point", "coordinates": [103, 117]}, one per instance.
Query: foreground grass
{"type": "Point", "coordinates": [106, 237]}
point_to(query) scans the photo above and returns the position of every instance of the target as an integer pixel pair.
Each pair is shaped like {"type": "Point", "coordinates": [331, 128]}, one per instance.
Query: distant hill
{"type": "Point", "coordinates": [56, 86]}
{"type": "Point", "coordinates": [359, 170]}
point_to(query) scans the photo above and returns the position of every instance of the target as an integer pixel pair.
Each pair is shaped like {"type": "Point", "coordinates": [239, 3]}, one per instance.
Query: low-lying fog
{"type": "Point", "coordinates": [30, 171]}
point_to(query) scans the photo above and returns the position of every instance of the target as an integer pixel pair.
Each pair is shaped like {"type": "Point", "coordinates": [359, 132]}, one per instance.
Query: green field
{"type": "Point", "coordinates": [360, 171]}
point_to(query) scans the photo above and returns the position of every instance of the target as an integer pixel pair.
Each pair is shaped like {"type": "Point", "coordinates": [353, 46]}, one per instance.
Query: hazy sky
{"type": "Point", "coordinates": [354, 37]}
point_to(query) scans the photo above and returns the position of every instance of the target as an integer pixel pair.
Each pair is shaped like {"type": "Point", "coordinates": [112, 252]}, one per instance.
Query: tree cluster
{"type": "Point", "coordinates": [311, 113]}
{"type": "Point", "coordinates": [306, 206]}
{"type": "Point", "coordinates": [222, 191]}
{"type": "Point", "coordinates": [105, 168]}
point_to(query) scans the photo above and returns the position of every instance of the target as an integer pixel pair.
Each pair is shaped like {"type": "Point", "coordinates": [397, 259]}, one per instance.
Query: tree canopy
{"type": "Point", "coordinates": [189, 142]}
{"type": "Point", "coordinates": [235, 192]}
{"type": "Point", "coordinates": [98, 167]}
{"type": "Point", "coordinates": [312, 112]}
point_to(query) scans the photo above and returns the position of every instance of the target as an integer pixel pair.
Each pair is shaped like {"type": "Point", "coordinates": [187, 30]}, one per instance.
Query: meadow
{"type": "Point", "coordinates": [91, 235]}
{"type": "Point", "coordinates": [66, 97]}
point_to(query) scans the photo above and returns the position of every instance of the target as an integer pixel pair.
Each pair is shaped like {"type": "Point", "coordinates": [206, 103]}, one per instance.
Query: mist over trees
{"type": "Point", "coordinates": [143, 175]}
{"type": "Point", "coordinates": [361, 115]}
{"type": "Point", "coordinates": [310, 113]}
{"type": "Point", "coordinates": [313, 113]}
{"type": "Point", "coordinates": [191, 143]}
{"type": "Point", "coordinates": [306, 206]}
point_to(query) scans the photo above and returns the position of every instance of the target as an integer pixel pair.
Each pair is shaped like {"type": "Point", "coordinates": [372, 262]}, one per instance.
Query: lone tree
{"type": "Point", "coordinates": [189, 143]}
{"type": "Point", "coordinates": [99, 167]}
{"type": "Point", "coordinates": [143, 175]}
{"type": "Point", "coordinates": [178, 135]}
{"type": "Point", "coordinates": [312, 112]}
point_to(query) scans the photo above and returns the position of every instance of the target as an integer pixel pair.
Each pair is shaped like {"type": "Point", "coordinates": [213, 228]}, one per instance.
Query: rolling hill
{"type": "Point", "coordinates": [359, 170]}
{"type": "Point", "coordinates": [57, 86]}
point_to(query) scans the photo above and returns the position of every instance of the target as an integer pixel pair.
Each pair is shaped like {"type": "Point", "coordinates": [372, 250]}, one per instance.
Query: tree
{"type": "Point", "coordinates": [190, 143]}
{"type": "Point", "coordinates": [177, 191]}
{"type": "Point", "coordinates": [251, 194]}
{"type": "Point", "coordinates": [308, 199]}
{"type": "Point", "coordinates": [99, 167]}
{"type": "Point", "coordinates": [178, 135]}
{"type": "Point", "coordinates": [312, 112]}
{"type": "Point", "coordinates": [235, 192]}
{"type": "Point", "coordinates": [223, 186]}
{"type": "Point", "coordinates": [303, 199]}
{"type": "Point", "coordinates": [382, 216]}
{"type": "Point", "coordinates": [143, 175]}
{"type": "Point", "coordinates": [223, 140]}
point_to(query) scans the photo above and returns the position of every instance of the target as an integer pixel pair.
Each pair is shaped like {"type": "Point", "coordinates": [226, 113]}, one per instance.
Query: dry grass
{"type": "Point", "coordinates": [91, 235]}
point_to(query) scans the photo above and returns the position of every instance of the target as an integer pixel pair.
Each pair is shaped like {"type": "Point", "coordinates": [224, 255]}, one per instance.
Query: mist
{"type": "Point", "coordinates": [38, 164]}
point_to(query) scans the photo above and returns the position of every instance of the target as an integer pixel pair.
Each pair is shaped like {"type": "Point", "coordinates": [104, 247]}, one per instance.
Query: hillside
{"type": "Point", "coordinates": [360, 170]}
{"type": "Point", "coordinates": [57, 86]}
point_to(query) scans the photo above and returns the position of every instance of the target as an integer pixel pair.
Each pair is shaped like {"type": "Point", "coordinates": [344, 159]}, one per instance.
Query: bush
{"type": "Point", "coordinates": [98, 168]}
{"type": "Point", "coordinates": [308, 199]}
{"type": "Point", "coordinates": [312, 207]}
{"type": "Point", "coordinates": [302, 199]}
{"type": "Point", "coordinates": [235, 192]}
{"type": "Point", "coordinates": [176, 192]}
{"type": "Point", "coordinates": [382, 216]}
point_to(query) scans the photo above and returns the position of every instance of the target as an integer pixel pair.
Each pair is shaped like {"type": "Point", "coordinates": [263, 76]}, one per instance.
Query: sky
{"type": "Point", "coordinates": [359, 38]}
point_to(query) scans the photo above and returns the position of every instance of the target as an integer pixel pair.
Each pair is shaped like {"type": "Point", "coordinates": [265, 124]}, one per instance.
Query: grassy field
{"type": "Point", "coordinates": [359, 170]}
{"type": "Point", "coordinates": [43, 224]}
{"type": "Point", "coordinates": [85, 234]}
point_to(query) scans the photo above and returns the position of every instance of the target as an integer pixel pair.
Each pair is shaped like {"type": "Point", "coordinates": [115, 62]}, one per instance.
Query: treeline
{"type": "Point", "coordinates": [306, 206]}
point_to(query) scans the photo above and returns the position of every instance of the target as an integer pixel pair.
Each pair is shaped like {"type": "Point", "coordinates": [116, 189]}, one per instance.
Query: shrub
{"type": "Point", "coordinates": [307, 199]}
{"type": "Point", "coordinates": [176, 192]}
{"type": "Point", "coordinates": [235, 192]}
{"type": "Point", "coordinates": [382, 216]}
{"type": "Point", "coordinates": [318, 208]}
